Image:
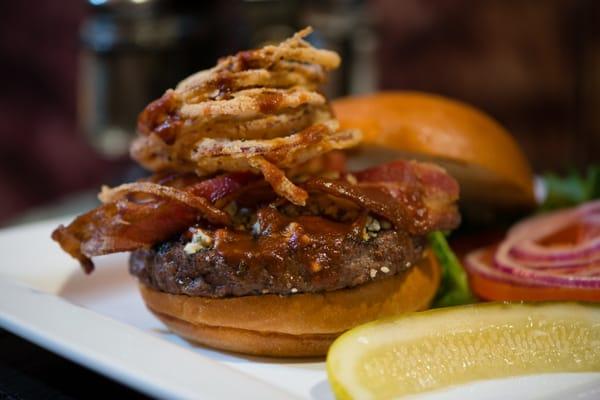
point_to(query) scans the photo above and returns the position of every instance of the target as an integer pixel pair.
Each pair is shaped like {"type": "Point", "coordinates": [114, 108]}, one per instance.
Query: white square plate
{"type": "Point", "coordinates": [99, 321]}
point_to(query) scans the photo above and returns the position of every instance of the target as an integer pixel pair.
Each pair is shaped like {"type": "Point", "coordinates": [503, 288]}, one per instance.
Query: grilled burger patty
{"type": "Point", "coordinates": [239, 264]}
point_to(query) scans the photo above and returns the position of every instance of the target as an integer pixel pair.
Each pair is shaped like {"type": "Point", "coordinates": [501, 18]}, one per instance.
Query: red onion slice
{"type": "Point", "coordinates": [531, 251]}
{"type": "Point", "coordinates": [475, 263]}
{"type": "Point", "coordinates": [523, 238]}
{"type": "Point", "coordinates": [522, 274]}
{"type": "Point", "coordinates": [523, 259]}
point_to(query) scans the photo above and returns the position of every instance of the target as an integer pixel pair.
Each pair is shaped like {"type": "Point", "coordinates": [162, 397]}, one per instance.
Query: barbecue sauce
{"type": "Point", "coordinates": [161, 117]}
{"type": "Point", "coordinates": [316, 241]}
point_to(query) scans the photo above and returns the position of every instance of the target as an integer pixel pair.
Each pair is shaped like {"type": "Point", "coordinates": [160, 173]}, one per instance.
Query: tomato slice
{"type": "Point", "coordinates": [492, 289]}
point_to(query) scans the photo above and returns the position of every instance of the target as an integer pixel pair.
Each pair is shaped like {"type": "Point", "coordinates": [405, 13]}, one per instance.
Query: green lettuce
{"type": "Point", "coordinates": [571, 190]}
{"type": "Point", "coordinates": [454, 286]}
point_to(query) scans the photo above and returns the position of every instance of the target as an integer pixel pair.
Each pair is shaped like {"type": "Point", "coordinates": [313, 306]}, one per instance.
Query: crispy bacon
{"type": "Point", "coordinates": [400, 175]}
{"type": "Point", "coordinates": [135, 221]}
{"type": "Point", "coordinates": [415, 197]}
{"type": "Point", "coordinates": [409, 180]}
{"type": "Point", "coordinates": [212, 214]}
{"type": "Point", "coordinates": [122, 226]}
{"type": "Point", "coordinates": [373, 199]}
{"type": "Point", "coordinates": [224, 185]}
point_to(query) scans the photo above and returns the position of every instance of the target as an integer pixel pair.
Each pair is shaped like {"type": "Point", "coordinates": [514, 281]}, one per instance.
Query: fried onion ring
{"type": "Point", "coordinates": [252, 103]}
{"type": "Point", "coordinates": [259, 104]}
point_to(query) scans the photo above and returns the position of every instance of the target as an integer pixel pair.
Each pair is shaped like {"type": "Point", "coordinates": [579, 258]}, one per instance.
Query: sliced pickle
{"type": "Point", "coordinates": [434, 349]}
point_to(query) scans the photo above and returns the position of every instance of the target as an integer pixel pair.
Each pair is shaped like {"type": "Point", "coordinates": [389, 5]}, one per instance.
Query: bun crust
{"type": "Point", "coordinates": [301, 325]}
{"type": "Point", "coordinates": [475, 149]}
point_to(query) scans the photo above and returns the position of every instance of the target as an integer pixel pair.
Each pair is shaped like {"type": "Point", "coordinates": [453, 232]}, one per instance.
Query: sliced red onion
{"type": "Point", "coordinates": [522, 260]}
{"type": "Point", "coordinates": [522, 239]}
{"type": "Point", "coordinates": [475, 263]}
{"type": "Point", "coordinates": [531, 251]}
{"type": "Point", "coordinates": [545, 224]}
{"type": "Point", "coordinates": [544, 277]}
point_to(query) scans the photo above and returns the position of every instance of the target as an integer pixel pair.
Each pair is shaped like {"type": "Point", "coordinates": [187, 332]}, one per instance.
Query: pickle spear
{"type": "Point", "coordinates": [434, 349]}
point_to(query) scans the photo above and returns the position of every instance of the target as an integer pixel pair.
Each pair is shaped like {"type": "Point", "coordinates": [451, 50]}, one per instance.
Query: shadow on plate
{"type": "Point", "coordinates": [110, 275]}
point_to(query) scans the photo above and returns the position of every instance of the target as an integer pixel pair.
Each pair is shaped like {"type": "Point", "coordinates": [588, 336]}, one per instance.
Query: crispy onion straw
{"type": "Point", "coordinates": [261, 104]}
{"type": "Point", "coordinates": [278, 181]}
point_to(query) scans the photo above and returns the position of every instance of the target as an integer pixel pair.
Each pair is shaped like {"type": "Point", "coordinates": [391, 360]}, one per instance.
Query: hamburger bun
{"type": "Point", "coordinates": [300, 325]}
{"type": "Point", "coordinates": [485, 159]}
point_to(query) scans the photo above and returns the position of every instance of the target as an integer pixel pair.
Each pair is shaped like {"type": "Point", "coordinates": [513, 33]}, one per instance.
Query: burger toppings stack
{"type": "Point", "coordinates": [251, 235]}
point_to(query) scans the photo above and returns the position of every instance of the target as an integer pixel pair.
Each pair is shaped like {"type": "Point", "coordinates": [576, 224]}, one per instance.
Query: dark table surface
{"type": "Point", "coordinates": [27, 371]}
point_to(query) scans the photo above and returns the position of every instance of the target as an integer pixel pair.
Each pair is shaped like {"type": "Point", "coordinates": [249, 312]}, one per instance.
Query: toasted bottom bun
{"type": "Point", "coordinates": [301, 325]}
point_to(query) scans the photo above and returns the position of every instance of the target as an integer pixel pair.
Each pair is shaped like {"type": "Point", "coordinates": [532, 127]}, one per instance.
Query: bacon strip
{"type": "Point", "coordinates": [222, 186]}
{"type": "Point", "coordinates": [404, 180]}
{"type": "Point", "coordinates": [415, 197]}
{"type": "Point", "coordinates": [402, 175]}
{"type": "Point", "coordinates": [212, 214]}
{"type": "Point", "coordinates": [122, 226]}
{"type": "Point", "coordinates": [130, 222]}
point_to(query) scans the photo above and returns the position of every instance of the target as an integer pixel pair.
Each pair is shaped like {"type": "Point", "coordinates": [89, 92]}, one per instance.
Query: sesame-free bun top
{"type": "Point", "coordinates": [484, 158]}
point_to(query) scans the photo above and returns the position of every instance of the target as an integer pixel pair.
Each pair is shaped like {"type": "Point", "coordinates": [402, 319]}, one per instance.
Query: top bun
{"type": "Point", "coordinates": [475, 149]}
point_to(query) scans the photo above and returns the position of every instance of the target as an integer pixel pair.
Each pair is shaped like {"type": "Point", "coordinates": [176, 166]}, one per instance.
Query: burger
{"type": "Point", "coordinates": [252, 235]}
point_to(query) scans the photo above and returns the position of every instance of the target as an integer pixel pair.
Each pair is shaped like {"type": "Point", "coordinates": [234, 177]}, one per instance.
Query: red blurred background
{"type": "Point", "coordinates": [533, 65]}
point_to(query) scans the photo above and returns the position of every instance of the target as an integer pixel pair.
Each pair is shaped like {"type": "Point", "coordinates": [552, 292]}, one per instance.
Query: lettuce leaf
{"type": "Point", "coordinates": [572, 189]}
{"type": "Point", "coordinates": [454, 286]}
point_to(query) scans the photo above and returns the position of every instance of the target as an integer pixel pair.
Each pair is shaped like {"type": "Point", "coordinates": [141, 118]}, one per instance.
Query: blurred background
{"type": "Point", "coordinates": [76, 73]}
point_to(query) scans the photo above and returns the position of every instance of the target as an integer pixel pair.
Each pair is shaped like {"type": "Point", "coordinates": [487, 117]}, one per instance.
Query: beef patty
{"type": "Point", "coordinates": [239, 264]}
